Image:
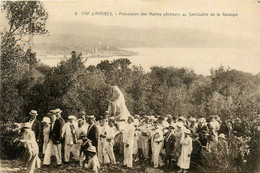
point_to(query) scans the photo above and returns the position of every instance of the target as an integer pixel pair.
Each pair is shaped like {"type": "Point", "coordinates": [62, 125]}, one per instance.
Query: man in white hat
{"type": "Point", "coordinates": [128, 140]}
{"type": "Point", "coordinates": [69, 133]}
{"type": "Point", "coordinates": [59, 117]}
{"type": "Point", "coordinates": [54, 144]}
{"type": "Point", "coordinates": [35, 125]}
{"type": "Point", "coordinates": [92, 132]}
{"type": "Point", "coordinates": [137, 138]}
{"type": "Point", "coordinates": [110, 133]}
{"type": "Point", "coordinates": [102, 138]}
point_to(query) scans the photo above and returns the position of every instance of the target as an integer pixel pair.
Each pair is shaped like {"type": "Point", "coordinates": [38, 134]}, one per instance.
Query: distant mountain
{"type": "Point", "coordinates": [80, 36]}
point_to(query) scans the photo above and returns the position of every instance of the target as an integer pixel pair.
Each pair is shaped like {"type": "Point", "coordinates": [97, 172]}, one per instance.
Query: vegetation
{"type": "Point", "coordinates": [27, 84]}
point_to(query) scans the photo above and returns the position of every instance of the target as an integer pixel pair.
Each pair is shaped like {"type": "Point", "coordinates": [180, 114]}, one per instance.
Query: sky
{"type": "Point", "coordinates": [246, 25]}
{"type": "Point", "coordinates": [243, 25]}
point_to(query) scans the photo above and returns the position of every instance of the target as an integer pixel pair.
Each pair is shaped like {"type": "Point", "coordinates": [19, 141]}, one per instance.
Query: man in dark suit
{"type": "Point", "coordinates": [92, 133]}
{"type": "Point", "coordinates": [58, 115]}
{"type": "Point", "coordinates": [196, 153]}
{"type": "Point", "coordinates": [35, 125]}
{"type": "Point", "coordinates": [54, 144]}
{"type": "Point", "coordinates": [169, 142]}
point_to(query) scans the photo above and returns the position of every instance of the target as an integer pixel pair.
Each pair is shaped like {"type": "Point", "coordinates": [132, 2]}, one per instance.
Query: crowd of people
{"type": "Point", "coordinates": [166, 142]}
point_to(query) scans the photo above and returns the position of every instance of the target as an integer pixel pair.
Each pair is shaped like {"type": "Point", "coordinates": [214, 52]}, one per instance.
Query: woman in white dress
{"type": "Point", "coordinates": [184, 159]}
{"type": "Point", "coordinates": [32, 149]}
{"type": "Point", "coordinates": [46, 131]}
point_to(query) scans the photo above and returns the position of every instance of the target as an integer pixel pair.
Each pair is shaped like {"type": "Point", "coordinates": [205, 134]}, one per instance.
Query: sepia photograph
{"type": "Point", "coordinates": [130, 86]}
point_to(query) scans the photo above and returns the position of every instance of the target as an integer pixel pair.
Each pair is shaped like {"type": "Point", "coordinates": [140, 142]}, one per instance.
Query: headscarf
{"type": "Point", "coordinates": [119, 105]}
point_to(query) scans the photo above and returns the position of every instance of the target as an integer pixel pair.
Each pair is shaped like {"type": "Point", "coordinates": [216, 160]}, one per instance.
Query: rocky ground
{"type": "Point", "coordinates": [19, 166]}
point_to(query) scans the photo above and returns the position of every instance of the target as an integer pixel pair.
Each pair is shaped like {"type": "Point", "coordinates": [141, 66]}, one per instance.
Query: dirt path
{"type": "Point", "coordinates": [8, 166]}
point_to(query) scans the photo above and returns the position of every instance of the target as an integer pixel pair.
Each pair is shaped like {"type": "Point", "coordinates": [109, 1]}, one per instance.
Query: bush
{"type": "Point", "coordinates": [219, 160]}
{"type": "Point", "coordinates": [9, 148]}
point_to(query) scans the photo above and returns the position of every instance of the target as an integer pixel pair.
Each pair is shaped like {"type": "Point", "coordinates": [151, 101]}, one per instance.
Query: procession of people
{"type": "Point", "coordinates": [167, 142]}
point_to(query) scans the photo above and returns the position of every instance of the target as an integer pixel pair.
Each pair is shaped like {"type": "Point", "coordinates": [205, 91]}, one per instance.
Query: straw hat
{"type": "Point", "coordinates": [72, 117]}
{"type": "Point", "coordinates": [57, 111]}
{"type": "Point", "coordinates": [33, 112]}
{"type": "Point", "coordinates": [46, 120]}
{"type": "Point", "coordinates": [193, 119]}
{"type": "Point", "coordinates": [181, 118]}
{"type": "Point", "coordinates": [52, 111]}
{"type": "Point", "coordinates": [152, 117]}
{"type": "Point", "coordinates": [202, 120]}
{"type": "Point", "coordinates": [27, 125]}
{"type": "Point", "coordinates": [82, 113]}
{"type": "Point", "coordinates": [91, 116]}
{"type": "Point", "coordinates": [179, 124]}
{"type": "Point", "coordinates": [222, 136]}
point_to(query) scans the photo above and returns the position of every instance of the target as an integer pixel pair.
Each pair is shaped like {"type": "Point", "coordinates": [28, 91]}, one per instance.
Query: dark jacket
{"type": "Point", "coordinates": [196, 152]}
{"type": "Point", "coordinates": [203, 142]}
{"type": "Point", "coordinates": [36, 128]}
{"type": "Point", "coordinates": [61, 121]}
{"type": "Point", "coordinates": [169, 142]}
{"type": "Point", "coordinates": [201, 128]}
{"type": "Point", "coordinates": [196, 163]}
{"type": "Point", "coordinates": [55, 132]}
{"type": "Point", "coordinates": [92, 134]}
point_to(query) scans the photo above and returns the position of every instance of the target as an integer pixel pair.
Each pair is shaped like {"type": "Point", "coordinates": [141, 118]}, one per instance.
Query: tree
{"type": "Point", "coordinates": [22, 18]}
{"type": "Point", "coordinates": [239, 91]}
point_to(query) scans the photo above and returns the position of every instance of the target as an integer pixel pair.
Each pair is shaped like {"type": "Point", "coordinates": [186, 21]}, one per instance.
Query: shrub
{"type": "Point", "coordinates": [9, 148]}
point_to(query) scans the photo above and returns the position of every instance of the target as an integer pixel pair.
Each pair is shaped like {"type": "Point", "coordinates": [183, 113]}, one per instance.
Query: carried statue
{"type": "Point", "coordinates": [117, 107]}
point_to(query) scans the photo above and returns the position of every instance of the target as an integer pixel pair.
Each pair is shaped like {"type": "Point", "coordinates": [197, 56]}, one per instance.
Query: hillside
{"type": "Point", "coordinates": [80, 36]}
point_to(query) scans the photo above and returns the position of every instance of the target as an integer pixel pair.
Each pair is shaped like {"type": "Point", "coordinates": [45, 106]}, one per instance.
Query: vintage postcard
{"type": "Point", "coordinates": [130, 86]}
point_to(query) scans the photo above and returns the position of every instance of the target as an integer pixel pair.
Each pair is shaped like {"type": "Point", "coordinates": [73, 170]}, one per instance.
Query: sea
{"type": "Point", "coordinates": [201, 60]}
